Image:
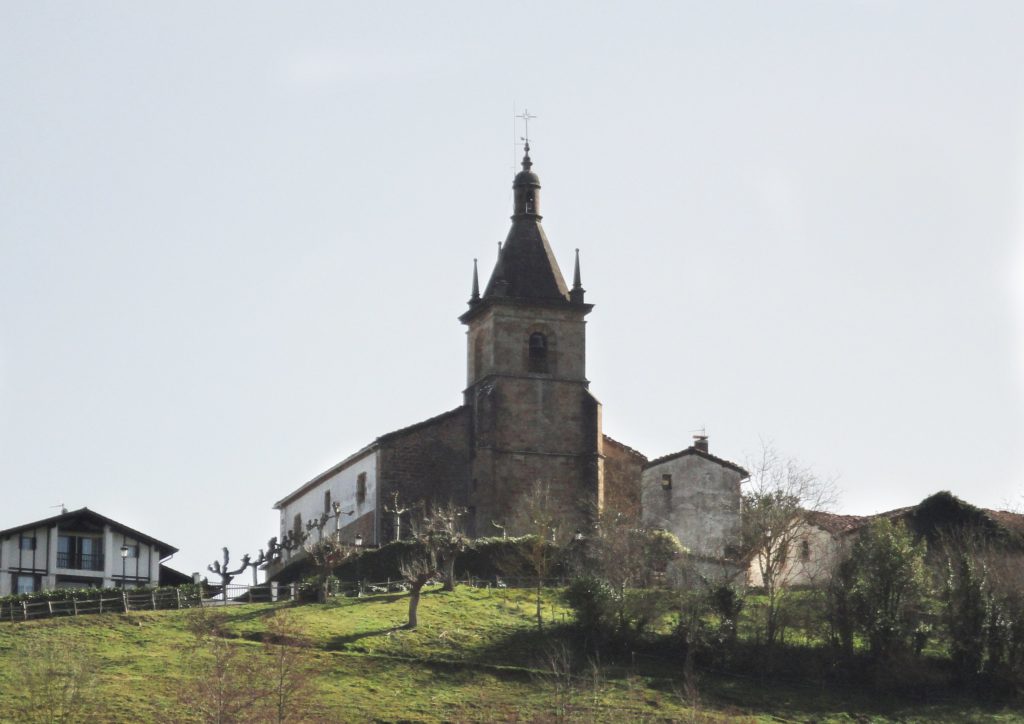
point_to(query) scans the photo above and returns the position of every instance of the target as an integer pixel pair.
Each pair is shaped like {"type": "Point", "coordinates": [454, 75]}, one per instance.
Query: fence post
{"type": "Point", "coordinates": [153, 594]}
{"type": "Point", "coordinates": [250, 594]}
{"type": "Point", "coordinates": [124, 599]}
{"type": "Point", "coordinates": [177, 596]}
{"type": "Point", "coordinates": [273, 591]}
{"type": "Point", "coordinates": [49, 606]}
{"type": "Point", "coordinates": [24, 610]}
{"type": "Point", "coordinates": [74, 605]}
{"type": "Point", "coordinates": [101, 601]}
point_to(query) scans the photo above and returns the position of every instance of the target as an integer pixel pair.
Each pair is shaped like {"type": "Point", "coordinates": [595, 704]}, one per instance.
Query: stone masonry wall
{"type": "Point", "coordinates": [428, 462]}
{"type": "Point", "coordinates": [702, 507]}
{"type": "Point", "coordinates": [623, 467]}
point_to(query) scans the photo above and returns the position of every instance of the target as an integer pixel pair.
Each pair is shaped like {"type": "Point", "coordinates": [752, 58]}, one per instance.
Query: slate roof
{"type": "Point", "coordinates": [84, 514]}
{"type": "Point", "coordinates": [699, 453]}
{"type": "Point", "coordinates": [362, 452]}
{"type": "Point", "coordinates": [527, 265]}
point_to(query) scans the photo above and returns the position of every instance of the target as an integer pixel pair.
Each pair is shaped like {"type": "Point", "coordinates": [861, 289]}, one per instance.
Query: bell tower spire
{"type": "Point", "coordinates": [577, 291]}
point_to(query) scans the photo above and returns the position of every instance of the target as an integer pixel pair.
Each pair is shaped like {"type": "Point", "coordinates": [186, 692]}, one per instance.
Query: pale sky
{"type": "Point", "coordinates": [235, 238]}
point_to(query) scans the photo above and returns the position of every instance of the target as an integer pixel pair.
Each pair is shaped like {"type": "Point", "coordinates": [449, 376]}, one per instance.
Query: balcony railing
{"type": "Point", "coordinates": [80, 561]}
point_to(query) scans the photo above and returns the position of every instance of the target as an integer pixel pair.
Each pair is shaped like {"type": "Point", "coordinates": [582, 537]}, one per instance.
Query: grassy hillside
{"type": "Point", "coordinates": [476, 657]}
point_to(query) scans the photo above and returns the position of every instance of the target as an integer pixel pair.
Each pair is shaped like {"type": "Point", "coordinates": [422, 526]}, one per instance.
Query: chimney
{"type": "Point", "coordinates": [701, 442]}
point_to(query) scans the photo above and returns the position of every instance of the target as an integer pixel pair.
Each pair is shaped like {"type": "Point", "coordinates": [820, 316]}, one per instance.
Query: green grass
{"type": "Point", "coordinates": [476, 656]}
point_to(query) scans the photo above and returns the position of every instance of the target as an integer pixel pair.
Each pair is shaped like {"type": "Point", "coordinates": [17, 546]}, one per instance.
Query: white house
{"type": "Point", "coordinates": [79, 549]}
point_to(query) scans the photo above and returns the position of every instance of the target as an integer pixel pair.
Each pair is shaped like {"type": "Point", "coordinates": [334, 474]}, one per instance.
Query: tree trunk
{"type": "Point", "coordinates": [449, 575]}
{"type": "Point", "coordinates": [414, 602]}
{"type": "Point", "coordinates": [414, 598]}
{"type": "Point", "coordinates": [540, 617]}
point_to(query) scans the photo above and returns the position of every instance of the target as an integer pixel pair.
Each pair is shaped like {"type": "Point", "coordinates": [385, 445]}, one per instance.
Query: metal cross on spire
{"type": "Point", "coordinates": [525, 116]}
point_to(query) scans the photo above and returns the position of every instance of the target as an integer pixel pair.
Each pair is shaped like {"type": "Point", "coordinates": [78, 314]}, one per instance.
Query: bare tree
{"type": "Point", "coordinates": [778, 496]}
{"type": "Point", "coordinates": [442, 533]}
{"type": "Point", "coordinates": [540, 516]}
{"type": "Point", "coordinates": [57, 682]}
{"type": "Point", "coordinates": [288, 670]}
{"type": "Point", "coordinates": [398, 511]}
{"type": "Point", "coordinates": [226, 576]}
{"type": "Point", "coordinates": [225, 684]}
{"type": "Point", "coordinates": [417, 570]}
{"type": "Point", "coordinates": [328, 554]}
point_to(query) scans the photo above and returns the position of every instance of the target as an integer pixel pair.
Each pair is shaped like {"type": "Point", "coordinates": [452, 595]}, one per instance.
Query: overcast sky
{"type": "Point", "coordinates": [235, 238]}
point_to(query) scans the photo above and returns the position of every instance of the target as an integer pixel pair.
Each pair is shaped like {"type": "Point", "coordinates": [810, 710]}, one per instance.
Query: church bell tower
{"type": "Point", "coordinates": [533, 418]}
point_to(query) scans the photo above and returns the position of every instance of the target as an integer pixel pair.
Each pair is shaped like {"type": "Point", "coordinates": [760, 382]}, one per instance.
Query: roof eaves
{"type": "Point", "coordinates": [336, 468]}
{"type": "Point", "coordinates": [55, 519]}
{"type": "Point", "coordinates": [699, 453]}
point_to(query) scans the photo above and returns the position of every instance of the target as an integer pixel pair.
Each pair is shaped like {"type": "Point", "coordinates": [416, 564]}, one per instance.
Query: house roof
{"type": "Point", "coordinates": [91, 515]}
{"type": "Point", "coordinates": [834, 523]}
{"type": "Point", "coordinates": [363, 452]}
{"type": "Point", "coordinates": [699, 453]}
{"type": "Point", "coordinates": [929, 517]}
{"type": "Point", "coordinates": [627, 448]}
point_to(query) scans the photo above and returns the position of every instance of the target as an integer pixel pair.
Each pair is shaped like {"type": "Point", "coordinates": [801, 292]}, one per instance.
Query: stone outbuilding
{"type": "Point", "coordinates": [696, 496]}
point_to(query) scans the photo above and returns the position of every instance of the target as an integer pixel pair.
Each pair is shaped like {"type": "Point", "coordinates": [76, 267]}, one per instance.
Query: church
{"type": "Point", "coordinates": [527, 415]}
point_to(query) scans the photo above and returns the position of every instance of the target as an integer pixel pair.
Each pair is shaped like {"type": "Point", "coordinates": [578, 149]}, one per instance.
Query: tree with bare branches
{"type": "Point", "coordinates": [221, 569]}
{"type": "Point", "coordinates": [417, 570]}
{"type": "Point", "coordinates": [778, 495]}
{"type": "Point", "coordinates": [442, 532]}
{"type": "Point", "coordinates": [540, 516]}
{"type": "Point", "coordinates": [328, 554]}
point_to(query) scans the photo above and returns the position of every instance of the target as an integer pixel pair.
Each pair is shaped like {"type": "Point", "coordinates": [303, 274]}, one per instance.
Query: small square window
{"type": "Point", "coordinates": [666, 481]}
{"type": "Point", "coordinates": [27, 543]}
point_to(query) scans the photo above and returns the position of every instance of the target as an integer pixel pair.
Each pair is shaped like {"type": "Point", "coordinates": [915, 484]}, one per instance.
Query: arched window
{"type": "Point", "coordinates": [538, 352]}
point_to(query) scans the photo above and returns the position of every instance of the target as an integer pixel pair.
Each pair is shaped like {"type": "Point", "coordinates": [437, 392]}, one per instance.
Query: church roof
{"type": "Point", "coordinates": [527, 266]}
{"type": "Point", "coordinates": [363, 453]}
{"type": "Point", "coordinates": [526, 270]}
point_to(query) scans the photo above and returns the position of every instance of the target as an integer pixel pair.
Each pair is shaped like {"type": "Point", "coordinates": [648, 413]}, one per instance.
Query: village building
{"type": "Point", "coordinates": [821, 539]}
{"type": "Point", "coordinates": [81, 549]}
{"type": "Point", "coordinates": [528, 415]}
{"type": "Point", "coordinates": [696, 496]}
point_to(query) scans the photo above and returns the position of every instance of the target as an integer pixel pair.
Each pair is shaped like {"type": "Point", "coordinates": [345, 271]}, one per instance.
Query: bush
{"type": "Point", "coordinates": [592, 600]}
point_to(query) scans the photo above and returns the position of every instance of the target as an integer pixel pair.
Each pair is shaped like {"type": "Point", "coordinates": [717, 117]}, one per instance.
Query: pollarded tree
{"type": "Point", "coordinates": [417, 570]}
{"type": "Point", "coordinates": [226, 576]}
{"type": "Point", "coordinates": [328, 554]}
{"type": "Point", "coordinates": [779, 494]}
{"type": "Point", "coordinates": [442, 533]}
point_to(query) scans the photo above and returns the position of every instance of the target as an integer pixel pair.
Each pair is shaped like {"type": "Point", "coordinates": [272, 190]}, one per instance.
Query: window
{"type": "Point", "coordinates": [25, 584]}
{"type": "Point", "coordinates": [666, 481]}
{"type": "Point", "coordinates": [84, 553]}
{"type": "Point", "coordinates": [27, 542]}
{"type": "Point", "coordinates": [133, 550]}
{"type": "Point", "coordinates": [361, 488]}
{"type": "Point", "coordinates": [297, 526]}
{"type": "Point", "coordinates": [805, 551]}
{"type": "Point", "coordinates": [538, 353]}
{"type": "Point", "coordinates": [327, 502]}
